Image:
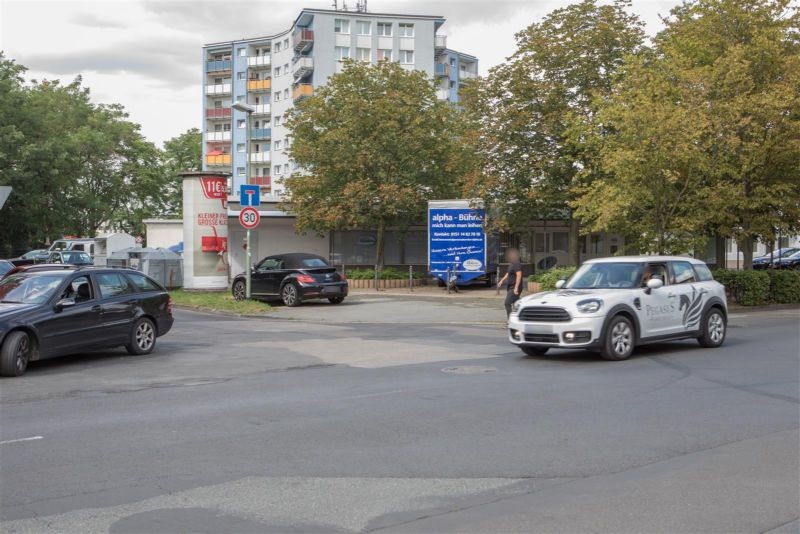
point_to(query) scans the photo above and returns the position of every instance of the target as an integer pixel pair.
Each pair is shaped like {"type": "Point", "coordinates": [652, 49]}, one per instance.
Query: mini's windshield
{"type": "Point", "coordinates": [606, 276]}
{"type": "Point", "coordinates": [5, 266]}
{"type": "Point", "coordinates": [29, 289]}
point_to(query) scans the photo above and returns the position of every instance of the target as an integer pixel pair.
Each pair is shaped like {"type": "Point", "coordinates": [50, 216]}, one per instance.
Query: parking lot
{"type": "Point", "coordinates": [404, 413]}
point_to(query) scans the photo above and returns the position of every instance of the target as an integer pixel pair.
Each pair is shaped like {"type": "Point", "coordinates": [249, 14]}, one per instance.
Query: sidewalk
{"type": "Point", "coordinates": [433, 291]}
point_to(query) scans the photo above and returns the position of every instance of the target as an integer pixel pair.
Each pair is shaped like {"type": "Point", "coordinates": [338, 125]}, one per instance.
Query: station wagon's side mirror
{"type": "Point", "coordinates": [560, 284]}
{"type": "Point", "coordinates": [653, 283]}
{"type": "Point", "coordinates": [64, 303]}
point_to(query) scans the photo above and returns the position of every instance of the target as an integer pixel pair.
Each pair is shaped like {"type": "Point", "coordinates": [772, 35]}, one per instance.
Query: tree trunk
{"type": "Point", "coordinates": [719, 252]}
{"type": "Point", "coordinates": [379, 234]}
{"type": "Point", "coordinates": [574, 236]}
{"type": "Point", "coordinates": [746, 246]}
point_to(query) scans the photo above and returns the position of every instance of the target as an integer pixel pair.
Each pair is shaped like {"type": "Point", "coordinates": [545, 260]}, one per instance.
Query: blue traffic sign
{"type": "Point", "coordinates": [249, 195]}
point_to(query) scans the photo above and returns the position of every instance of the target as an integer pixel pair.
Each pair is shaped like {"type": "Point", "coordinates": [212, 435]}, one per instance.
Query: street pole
{"type": "Point", "coordinates": [248, 255]}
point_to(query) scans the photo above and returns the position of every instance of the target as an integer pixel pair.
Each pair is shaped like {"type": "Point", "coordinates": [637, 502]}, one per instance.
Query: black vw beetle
{"type": "Point", "coordinates": [56, 312]}
{"type": "Point", "coordinates": [292, 278]}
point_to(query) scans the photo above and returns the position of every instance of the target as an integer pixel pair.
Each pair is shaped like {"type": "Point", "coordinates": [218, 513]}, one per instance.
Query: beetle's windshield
{"type": "Point", "coordinates": [606, 276]}
{"type": "Point", "coordinates": [29, 289]}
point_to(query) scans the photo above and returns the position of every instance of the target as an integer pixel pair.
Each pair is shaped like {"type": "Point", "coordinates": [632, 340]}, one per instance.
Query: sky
{"type": "Point", "coordinates": [146, 55]}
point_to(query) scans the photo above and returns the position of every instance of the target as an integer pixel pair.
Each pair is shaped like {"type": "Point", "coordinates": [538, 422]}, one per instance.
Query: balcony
{"type": "Point", "coordinates": [264, 181]}
{"type": "Point", "coordinates": [439, 42]}
{"type": "Point", "coordinates": [261, 109]}
{"type": "Point", "coordinates": [443, 69]}
{"type": "Point", "coordinates": [303, 40]}
{"type": "Point", "coordinates": [220, 65]}
{"type": "Point", "coordinates": [260, 133]}
{"type": "Point", "coordinates": [259, 157]}
{"type": "Point", "coordinates": [218, 136]}
{"type": "Point", "coordinates": [218, 89]}
{"type": "Point", "coordinates": [259, 85]}
{"type": "Point", "coordinates": [302, 90]}
{"type": "Point", "coordinates": [303, 66]}
{"type": "Point", "coordinates": [218, 113]}
{"type": "Point", "coordinates": [218, 159]}
{"type": "Point", "coordinates": [259, 62]}
{"type": "Point", "coordinates": [466, 75]}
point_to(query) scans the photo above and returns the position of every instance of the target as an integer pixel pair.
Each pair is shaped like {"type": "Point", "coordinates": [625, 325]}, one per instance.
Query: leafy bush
{"type": "Point", "coordinates": [748, 288]}
{"type": "Point", "coordinates": [784, 286]}
{"type": "Point", "coordinates": [387, 273]}
{"type": "Point", "coordinates": [547, 279]}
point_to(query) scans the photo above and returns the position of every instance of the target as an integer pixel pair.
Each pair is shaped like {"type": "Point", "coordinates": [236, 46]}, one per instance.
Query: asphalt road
{"type": "Point", "coordinates": [262, 425]}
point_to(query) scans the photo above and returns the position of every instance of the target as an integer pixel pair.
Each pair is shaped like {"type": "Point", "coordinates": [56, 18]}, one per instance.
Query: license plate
{"type": "Point", "coordinates": [334, 289]}
{"type": "Point", "coordinates": [538, 329]}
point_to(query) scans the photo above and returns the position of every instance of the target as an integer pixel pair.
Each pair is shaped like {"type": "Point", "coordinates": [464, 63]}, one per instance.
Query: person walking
{"type": "Point", "coordinates": [512, 279]}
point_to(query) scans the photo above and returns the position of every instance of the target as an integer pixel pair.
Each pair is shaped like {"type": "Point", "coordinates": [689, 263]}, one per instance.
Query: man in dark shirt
{"type": "Point", "coordinates": [512, 279]}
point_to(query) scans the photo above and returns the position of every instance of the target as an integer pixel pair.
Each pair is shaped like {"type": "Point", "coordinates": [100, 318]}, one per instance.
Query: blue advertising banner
{"type": "Point", "coordinates": [456, 239]}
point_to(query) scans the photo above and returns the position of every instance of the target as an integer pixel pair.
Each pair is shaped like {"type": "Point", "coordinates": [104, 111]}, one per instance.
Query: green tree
{"type": "Point", "coordinates": [375, 144]}
{"type": "Point", "coordinates": [526, 107]}
{"type": "Point", "coordinates": [181, 153]}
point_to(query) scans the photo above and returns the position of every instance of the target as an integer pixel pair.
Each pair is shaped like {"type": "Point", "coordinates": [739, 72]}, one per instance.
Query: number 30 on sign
{"type": "Point", "coordinates": [249, 218]}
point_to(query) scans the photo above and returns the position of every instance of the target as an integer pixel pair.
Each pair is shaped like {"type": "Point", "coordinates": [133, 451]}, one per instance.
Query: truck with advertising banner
{"type": "Point", "coordinates": [459, 249]}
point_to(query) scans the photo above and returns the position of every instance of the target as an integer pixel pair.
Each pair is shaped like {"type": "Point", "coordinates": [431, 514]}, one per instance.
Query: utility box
{"type": "Point", "coordinates": [106, 245]}
{"type": "Point", "coordinates": [160, 264]}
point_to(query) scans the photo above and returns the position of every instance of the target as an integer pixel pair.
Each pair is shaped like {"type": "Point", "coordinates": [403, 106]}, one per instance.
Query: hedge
{"type": "Point", "coordinates": [388, 273]}
{"type": "Point", "coordinates": [751, 288]}
{"type": "Point", "coordinates": [547, 279]}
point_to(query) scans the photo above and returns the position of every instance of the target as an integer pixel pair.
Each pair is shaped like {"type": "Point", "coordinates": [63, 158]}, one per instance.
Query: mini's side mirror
{"type": "Point", "coordinates": [653, 283]}
{"type": "Point", "coordinates": [64, 303]}
{"type": "Point", "coordinates": [560, 284]}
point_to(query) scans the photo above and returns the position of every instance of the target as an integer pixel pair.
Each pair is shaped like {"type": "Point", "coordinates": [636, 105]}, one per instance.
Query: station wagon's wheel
{"type": "Point", "coordinates": [336, 300]}
{"type": "Point", "coordinates": [15, 354]}
{"type": "Point", "coordinates": [535, 351]}
{"type": "Point", "coordinates": [619, 340]}
{"type": "Point", "coordinates": [713, 329]}
{"type": "Point", "coordinates": [239, 290]}
{"type": "Point", "coordinates": [143, 337]}
{"type": "Point", "coordinates": [290, 295]}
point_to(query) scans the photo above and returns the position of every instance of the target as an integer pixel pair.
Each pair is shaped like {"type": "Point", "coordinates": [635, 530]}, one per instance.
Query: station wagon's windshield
{"type": "Point", "coordinates": [606, 276]}
{"type": "Point", "coordinates": [29, 289]}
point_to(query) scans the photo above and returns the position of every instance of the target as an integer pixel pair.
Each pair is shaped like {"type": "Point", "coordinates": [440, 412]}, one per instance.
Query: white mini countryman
{"type": "Point", "coordinates": [615, 304]}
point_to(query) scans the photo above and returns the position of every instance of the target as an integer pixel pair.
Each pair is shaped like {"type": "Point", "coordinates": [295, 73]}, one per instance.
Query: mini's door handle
{"type": "Point", "coordinates": [671, 295]}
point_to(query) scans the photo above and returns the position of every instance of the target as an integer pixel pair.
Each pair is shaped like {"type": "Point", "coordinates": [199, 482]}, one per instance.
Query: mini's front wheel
{"type": "Point", "coordinates": [714, 329]}
{"type": "Point", "coordinates": [535, 351]}
{"type": "Point", "coordinates": [618, 343]}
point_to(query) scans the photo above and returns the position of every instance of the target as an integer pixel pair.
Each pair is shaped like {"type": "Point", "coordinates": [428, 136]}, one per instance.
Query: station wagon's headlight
{"type": "Point", "coordinates": [590, 305]}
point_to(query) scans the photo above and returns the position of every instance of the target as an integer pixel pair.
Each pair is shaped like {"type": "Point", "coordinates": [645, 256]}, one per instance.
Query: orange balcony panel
{"type": "Point", "coordinates": [303, 90]}
{"type": "Point", "coordinates": [220, 159]}
{"type": "Point", "coordinates": [259, 85]}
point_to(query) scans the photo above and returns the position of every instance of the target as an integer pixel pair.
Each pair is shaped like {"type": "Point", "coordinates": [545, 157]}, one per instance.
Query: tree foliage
{"type": "Point", "coordinates": [375, 145]}
{"type": "Point", "coordinates": [181, 153]}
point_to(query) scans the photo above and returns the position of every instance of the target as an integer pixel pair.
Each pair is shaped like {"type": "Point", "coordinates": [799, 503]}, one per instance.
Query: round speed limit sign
{"type": "Point", "coordinates": [249, 218]}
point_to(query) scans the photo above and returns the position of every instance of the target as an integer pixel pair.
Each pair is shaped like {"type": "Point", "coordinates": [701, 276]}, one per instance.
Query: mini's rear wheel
{"type": "Point", "coordinates": [535, 351]}
{"type": "Point", "coordinates": [618, 343]}
{"type": "Point", "coordinates": [15, 354]}
{"type": "Point", "coordinates": [714, 329]}
{"type": "Point", "coordinates": [143, 337]}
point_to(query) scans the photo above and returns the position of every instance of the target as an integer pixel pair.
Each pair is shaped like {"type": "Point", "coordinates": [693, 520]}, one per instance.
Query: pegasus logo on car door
{"type": "Point", "coordinates": [693, 308]}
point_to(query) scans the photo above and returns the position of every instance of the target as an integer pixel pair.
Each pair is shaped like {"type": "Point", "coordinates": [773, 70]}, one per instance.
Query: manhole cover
{"type": "Point", "coordinates": [469, 369]}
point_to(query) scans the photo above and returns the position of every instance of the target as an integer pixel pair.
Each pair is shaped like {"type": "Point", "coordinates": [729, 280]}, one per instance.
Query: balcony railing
{"type": "Point", "coordinates": [218, 113]}
{"type": "Point", "coordinates": [259, 157]}
{"type": "Point", "coordinates": [303, 39]}
{"type": "Point", "coordinates": [466, 75]}
{"type": "Point", "coordinates": [218, 65]}
{"type": "Point", "coordinates": [260, 180]}
{"type": "Point", "coordinates": [440, 42]}
{"type": "Point", "coordinates": [261, 109]}
{"type": "Point", "coordinates": [259, 85]}
{"type": "Point", "coordinates": [260, 133]}
{"type": "Point", "coordinates": [443, 69]}
{"type": "Point", "coordinates": [218, 89]}
{"type": "Point", "coordinates": [218, 136]}
{"type": "Point", "coordinates": [259, 61]}
{"type": "Point", "coordinates": [220, 159]}
{"type": "Point", "coordinates": [303, 66]}
{"type": "Point", "coordinates": [302, 90]}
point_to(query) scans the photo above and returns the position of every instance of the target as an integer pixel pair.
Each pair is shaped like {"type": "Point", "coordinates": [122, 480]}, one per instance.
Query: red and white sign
{"type": "Point", "coordinates": [214, 187]}
{"type": "Point", "coordinates": [249, 218]}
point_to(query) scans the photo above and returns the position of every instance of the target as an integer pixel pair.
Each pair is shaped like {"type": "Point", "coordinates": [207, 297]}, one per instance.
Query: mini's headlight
{"type": "Point", "coordinates": [590, 305]}
{"type": "Point", "coordinates": [515, 307]}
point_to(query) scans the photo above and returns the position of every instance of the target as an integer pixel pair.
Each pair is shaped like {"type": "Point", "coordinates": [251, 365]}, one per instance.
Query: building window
{"type": "Point", "coordinates": [276, 96]}
{"type": "Point", "coordinates": [240, 98]}
{"type": "Point", "coordinates": [363, 27]}
{"type": "Point", "coordinates": [240, 75]}
{"type": "Point", "coordinates": [239, 171]}
{"type": "Point", "coordinates": [286, 94]}
{"type": "Point", "coordinates": [407, 56]}
{"type": "Point", "coordinates": [453, 62]}
{"type": "Point", "coordinates": [277, 170]}
{"type": "Point", "coordinates": [384, 53]}
{"type": "Point", "coordinates": [226, 127]}
{"type": "Point", "coordinates": [286, 168]}
{"type": "Point", "coordinates": [278, 46]}
{"type": "Point", "coordinates": [277, 145]}
{"type": "Point", "coordinates": [217, 104]}
{"type": "Point", "coordinates": [384, 29]}
{"type": "Point", "coordinates": [240, 123]}
{"type": "Point", "coordinates": [277, 71]}
{"type": "Point", "coordinates": [364, 54]}
{"type": "Point", "coordinates": [341, 26]}
{"type": "Point", "coordinates": [277, 121]}
{"type": "Point", "coordinates": [452, 84]}
{"type": "Point", "coordinates": [217, 127]}
{"type": "Point", "coordinates": [239, 147]}
{"type": "Point", "coordinates": [406, 30]}
{"type": "Point", "coordinates": [242, 52]}
{"type": "Point", "coordinates": [342, 52]}
{"type": "Point", "coordinates": [286, 68]}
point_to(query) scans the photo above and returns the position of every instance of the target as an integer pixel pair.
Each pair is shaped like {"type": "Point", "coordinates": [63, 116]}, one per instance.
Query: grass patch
{"type": "Point", "coordinates": [221, 301]}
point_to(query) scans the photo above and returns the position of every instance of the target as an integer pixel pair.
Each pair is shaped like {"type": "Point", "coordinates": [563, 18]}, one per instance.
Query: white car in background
{"type": "Point", "coordinates": [615, 304]}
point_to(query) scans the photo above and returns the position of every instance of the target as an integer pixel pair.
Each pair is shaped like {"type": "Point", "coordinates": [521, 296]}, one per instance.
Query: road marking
{"type": "Point", "coordinates": [32, 438]}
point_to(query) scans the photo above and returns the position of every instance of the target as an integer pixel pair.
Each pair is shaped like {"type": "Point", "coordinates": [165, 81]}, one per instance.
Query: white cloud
{"type": "Point", "coordinates": [146, 55]}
